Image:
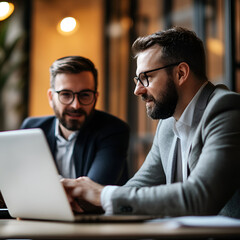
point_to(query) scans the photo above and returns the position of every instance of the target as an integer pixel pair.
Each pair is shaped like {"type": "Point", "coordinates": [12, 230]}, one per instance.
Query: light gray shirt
{"type": "Point", "coordinates": [181, 129]}
{"type": "Point", "coordinates": [64, 153]}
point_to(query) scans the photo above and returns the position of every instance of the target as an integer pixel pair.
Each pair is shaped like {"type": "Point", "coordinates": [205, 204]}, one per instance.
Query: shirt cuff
{"type": "Point", "coordinates": [106, 196]}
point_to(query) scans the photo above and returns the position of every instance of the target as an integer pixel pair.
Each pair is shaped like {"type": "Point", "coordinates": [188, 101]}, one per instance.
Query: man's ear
{"type": "Point", "coordinates": [96, 96]}
{"type": "Point", "coordinates": [50, 97]}
{"type": "Point", "coordinates": [183, 73]}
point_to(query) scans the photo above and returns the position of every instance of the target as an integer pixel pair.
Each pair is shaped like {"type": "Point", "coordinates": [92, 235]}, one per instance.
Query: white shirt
{"type": "Point", "coordinates": [181, 129]}
{"type": "Point", "coordinates": [64, 153]}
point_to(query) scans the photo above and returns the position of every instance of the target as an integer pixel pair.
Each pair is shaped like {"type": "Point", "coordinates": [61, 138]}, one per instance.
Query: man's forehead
{"type": "Point", "coordinates": [148, 58]}
{"type": "Point", "coordinates": [81, 76]}
{"type": "Point", "coordinates": [84, 78]}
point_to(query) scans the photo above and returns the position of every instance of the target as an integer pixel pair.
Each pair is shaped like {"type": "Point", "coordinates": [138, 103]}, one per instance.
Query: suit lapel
{"type": "Point", "coordinates": [198, 113]}
{"type": "Point", "coordinates": [51, 137]}
{"type": "Point", "coordinates": [172, 158]}
{"type": "Point", "coordinates": [78, 154]}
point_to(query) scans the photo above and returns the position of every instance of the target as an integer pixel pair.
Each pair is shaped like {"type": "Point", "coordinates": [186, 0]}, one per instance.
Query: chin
{"type": "Point", "coordinates": [74, 125]}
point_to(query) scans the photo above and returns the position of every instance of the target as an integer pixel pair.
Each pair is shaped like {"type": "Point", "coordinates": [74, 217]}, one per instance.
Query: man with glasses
{"type": "Point", "coordinates": [83, 140]}
{"type": "Point", "coordinates": [194, 163]}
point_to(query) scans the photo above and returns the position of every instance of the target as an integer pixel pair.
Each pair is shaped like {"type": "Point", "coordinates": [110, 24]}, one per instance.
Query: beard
{"type": "Point", "coordinates": [72, 124]}
{"type": "Point", "coordinates": [165, 107]}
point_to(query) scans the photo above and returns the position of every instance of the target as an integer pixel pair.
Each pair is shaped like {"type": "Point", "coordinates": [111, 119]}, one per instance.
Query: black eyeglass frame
{"type": "Point", "coordinates": [78, 94]}
{"type": "Point", "coordinates": [153, 70]}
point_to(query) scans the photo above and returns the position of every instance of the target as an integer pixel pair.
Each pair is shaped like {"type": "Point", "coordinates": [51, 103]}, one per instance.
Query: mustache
{"type": "Point", "coordinates": [146, 97]}
{"type": "Point", "coordinates": [75, 111]}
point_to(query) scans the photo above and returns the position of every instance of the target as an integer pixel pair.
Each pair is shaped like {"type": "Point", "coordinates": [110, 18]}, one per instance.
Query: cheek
{"type": "Point", "coordinates": [56, 105]}
{"type": "Point", "coordinates": [158, 90]}
{"type": "Point", "coordinates": [152, 91]}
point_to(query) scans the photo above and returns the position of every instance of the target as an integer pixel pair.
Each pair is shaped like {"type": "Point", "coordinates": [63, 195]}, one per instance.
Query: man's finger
{"type": "Point", "coordinates": [75, 207]}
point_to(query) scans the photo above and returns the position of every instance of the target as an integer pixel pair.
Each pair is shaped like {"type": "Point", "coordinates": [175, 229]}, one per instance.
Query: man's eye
{"type": "Point", "coordinates": [66, 94]}
{"type": "Point", "coordinates": [85, 95]}
{"type": "Point", "coordinates": [142, 77]}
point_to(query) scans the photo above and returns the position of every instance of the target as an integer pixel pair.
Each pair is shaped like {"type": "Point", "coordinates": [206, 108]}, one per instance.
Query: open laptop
{"type": "Point", "coordinates": [30, 183]}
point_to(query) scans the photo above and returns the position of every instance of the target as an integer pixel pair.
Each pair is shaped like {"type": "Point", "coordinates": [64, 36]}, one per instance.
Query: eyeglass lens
{"type": "Point", "coordinates": [84, 97]}
{"type": "Point", "coordinates": [142, 78]}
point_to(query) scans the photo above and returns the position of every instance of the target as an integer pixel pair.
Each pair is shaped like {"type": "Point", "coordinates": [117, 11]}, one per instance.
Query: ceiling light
{"type": "Point", "coordinates": [6, 9]}
{"type": "Point", "coordinates": [67, 25]}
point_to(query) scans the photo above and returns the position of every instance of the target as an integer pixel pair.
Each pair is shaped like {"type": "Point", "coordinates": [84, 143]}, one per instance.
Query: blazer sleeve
{"type": "Point", "coordinates": [214, 164]}
{"type": "Point", "coordinates": [151, 172]}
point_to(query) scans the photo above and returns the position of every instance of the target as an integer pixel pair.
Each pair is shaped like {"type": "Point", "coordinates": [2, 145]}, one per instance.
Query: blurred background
{"type": "Point", "coordinates": [34, 33]}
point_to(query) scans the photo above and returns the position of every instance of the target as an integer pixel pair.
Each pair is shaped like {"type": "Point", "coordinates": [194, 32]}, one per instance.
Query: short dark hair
{"type": "Point", "coordinates": [178, 45]}
{"type": "Point", "coordinates": [72, 64]}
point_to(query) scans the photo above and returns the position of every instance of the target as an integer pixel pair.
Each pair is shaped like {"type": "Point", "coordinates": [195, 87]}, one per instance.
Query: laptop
{"type": "Point", "coordinates": [30, 183]}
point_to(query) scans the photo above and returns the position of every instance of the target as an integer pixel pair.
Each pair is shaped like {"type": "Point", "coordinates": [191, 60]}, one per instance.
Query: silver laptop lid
{"type": "Point", "coordinates": [29, 180]}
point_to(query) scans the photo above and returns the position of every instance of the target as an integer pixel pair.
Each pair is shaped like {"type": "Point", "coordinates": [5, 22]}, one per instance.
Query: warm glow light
{"type": "Point", "coordinates": [6, 9]}
{"type": "Point", "coordinates": [67, 25]}
{"type": "Point", "coordinates": [215, 46]}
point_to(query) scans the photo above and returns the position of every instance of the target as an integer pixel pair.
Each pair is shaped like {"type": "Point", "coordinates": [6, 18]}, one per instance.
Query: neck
{"type": "Point", "coordinates": [186, 94]}
{"type": "Point", "coordinates": [64, 132]}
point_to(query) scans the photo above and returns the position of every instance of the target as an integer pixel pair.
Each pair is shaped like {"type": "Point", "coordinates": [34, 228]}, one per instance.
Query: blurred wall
{"type": "Point", "coordinates": [47, 44]}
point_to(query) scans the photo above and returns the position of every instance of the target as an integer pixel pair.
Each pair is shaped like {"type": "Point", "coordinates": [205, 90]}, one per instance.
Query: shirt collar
{"type": "Point", "coordinates": [185, 121]}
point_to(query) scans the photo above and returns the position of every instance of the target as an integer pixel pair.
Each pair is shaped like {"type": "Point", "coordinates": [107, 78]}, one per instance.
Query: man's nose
{"type": "Point", "coordinates": [139, 89]}
{"type": "Point", "coordinates": [76, 104]}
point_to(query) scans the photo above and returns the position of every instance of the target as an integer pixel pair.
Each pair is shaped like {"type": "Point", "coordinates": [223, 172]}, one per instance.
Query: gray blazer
{"type": "Point", "coordinates": [213, 164]}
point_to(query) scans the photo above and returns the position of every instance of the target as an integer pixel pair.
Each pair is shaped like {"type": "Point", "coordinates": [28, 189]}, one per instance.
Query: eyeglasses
{"type": "Point", "coordinates": [143, 77]}
{"type": "Point", "coordinates": [85, 97]}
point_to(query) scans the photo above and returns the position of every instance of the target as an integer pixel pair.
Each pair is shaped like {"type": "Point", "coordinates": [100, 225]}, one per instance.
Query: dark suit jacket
{"type": "Point", "coordinates": [100, 151]}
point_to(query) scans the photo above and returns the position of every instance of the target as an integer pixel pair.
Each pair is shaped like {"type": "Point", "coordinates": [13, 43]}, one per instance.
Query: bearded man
{"type": "Point", "coordinates": [83, 140]}
{"type": "Point", "coordinates": [193, 165]}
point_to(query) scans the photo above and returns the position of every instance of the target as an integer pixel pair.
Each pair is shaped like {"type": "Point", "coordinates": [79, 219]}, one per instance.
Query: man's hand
{"type": "Point", "coordinates": [83, 194]}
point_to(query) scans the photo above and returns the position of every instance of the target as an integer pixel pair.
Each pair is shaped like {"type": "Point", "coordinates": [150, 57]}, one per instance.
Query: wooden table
{"type": "Point", "coordinates": [26, 229]}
